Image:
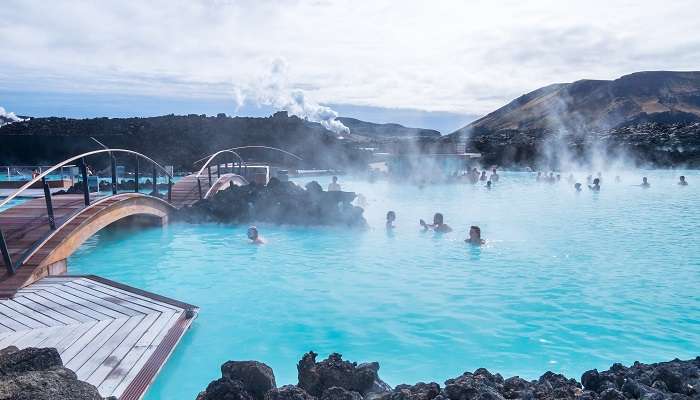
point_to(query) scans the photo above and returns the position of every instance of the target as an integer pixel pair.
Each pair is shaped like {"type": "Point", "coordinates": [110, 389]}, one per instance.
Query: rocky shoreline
{"type": "Point", "coordinates": [336, 379]}
{"type": "Point", "coordinates": [277, 202]}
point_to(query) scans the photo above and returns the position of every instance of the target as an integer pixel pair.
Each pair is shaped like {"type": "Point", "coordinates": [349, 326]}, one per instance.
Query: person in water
{"type": "Point", "coordinates": [577, 186]}
{"type": "Point", "coordinates": [438, 224]}
{"type": "Point", "coordinates": [390, 218]}
{"type": "Point", "coordinates": [483, 176]}
{"type": "Point", "coordinates": [596, 185]}
{"type": "Point", "coordinates": [645, 183]}
{"type": "Point", "coordinates": [539, 176]}
{"type": "Point", "coordinates": [494, 176]}
{"type": "Point", "coordinates": [488, 185]}
{"type": "Point", "coordinates": [254, 236]}
{"type": "Point", "coordinates": [334, 186]}
{"type": "Point", "coordinates": [475, 236]}
{"type": "Point", "coordinates": [683, 182]}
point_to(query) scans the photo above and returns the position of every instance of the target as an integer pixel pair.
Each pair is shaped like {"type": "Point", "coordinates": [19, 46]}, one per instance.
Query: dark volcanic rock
{"type": "Point", "coordinates": [419, 391]}
{"type": "Point", "coordinates": [225, 389]}
{"type": "Point", "coordinates": [338, 393]}
{"type": "Point", "coordinates": [277, 202]}
{"type": "Point", "coordinates": [480, 385]}
{"type": "Point", "coordinates": [38, 374]}
{"type": "Point", "coordinates": [316, 377]}
{"type": "Point", "coordinates": [288, 392]}
{"type": "Point", "coordinates": [29, 359]}
{"type": "Point", "coordinates": [257, 378]}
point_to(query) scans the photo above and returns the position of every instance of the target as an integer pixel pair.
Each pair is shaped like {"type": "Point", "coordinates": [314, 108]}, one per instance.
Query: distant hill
{"type": "Point", "coordinates": [371, 131]}
{"type": "Point", "coordinates": [636, 113]}
{"type": "Point", "coordinates": [176, 140]}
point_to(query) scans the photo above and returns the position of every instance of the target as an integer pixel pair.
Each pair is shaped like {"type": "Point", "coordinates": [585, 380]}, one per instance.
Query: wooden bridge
{"type": "Point", "coordinates": [37, 236]}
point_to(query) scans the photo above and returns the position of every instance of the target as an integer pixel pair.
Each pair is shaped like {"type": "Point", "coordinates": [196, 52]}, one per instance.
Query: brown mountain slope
{"type": "Point", "coordinates": [598, 104]}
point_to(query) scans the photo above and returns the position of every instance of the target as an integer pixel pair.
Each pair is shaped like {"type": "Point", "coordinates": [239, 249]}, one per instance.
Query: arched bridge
{"type": "Point", "coordinates": [37, 236]}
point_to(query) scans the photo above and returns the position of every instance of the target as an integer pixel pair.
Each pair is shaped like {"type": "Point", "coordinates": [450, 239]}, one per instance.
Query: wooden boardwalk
{"type": "Point", "coordinates": [186, 190]}
{"type": "Point", "coordinates": [112, 336]}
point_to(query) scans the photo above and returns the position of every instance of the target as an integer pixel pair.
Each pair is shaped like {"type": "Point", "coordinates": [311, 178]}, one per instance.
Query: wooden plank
{"type": "Point", "coordinates": [114, 298]}
{"type": "Point", "coordinates": [43, 309]}
{"type": "Point", "coordinates": [117, 355]}
{"type": "Point", "coordinates": [90, 302]}
{"type": "Point", "coordinates": [141, 350]}
{"type": "Point", "coordinates": [106, 325]}
{"type": "Point", "coordinates": [132, 297]}
{"type": "Point", "coordinates": [37, 298]}
{"type": "Point", "coordinates": [67, 335]}
{"type": "Point", "coordinates": [35, 315]}
{"type": "Point", "coordinates": [105, 349]}
{"type": "Point", "coordinates": [13, 315]}
{"type": "Point", "coordinates": [10, 340]}
{"type": "Point", "coordinates": [72, 305]}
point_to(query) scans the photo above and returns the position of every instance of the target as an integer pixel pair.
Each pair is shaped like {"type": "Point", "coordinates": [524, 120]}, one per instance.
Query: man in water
{"type": "Point", "coordinates": [683, 182]}
{"type": "Point", "coordinates": [577, 186]}
{"type": "Point", "coordinates": [254, 236]}
{"type": "Point", "coordinates": [438, 224]}
{"type": "Point", "coordinates": [475, 236]}
{"type": "Point", "coordinates": [494, 176]}
{"type": "Point", "coordinates": [483, 176]}
{"type": "Point", "coordinates": [596, 185]}
{"type": "Point", "coordinates": [645, 183]}
{"type": "Point", "coordinates": [539, 176]}
{"type": "Point", "coordinates": [390, 218]}
{"type": "Point", "coordinates": [334, 186]}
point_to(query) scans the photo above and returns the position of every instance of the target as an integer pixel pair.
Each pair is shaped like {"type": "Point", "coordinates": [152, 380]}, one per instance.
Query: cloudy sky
{"type": "Point", "coordinates": [436, 63]}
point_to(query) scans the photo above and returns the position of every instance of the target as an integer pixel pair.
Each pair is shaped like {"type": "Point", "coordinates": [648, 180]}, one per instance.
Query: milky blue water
{"type": "Point", "coordinates": [567, 282]}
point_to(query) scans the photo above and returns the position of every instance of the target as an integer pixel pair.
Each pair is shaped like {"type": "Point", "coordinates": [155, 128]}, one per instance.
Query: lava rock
{"type": "Point", "coordinates": [338, 393]}
{"type": "Point", "coordinates": [225, 389]}
{"type": "Point", "coordinates": [419, 391]}
{"type": "Point", "coordinates": [257, 378]}
{"type": "Point", "coordinates": [56, 383]}
{"type": "Point", "coordinates": [480, 385]}
{"type": "Point", "coordinates": [288, 392]}
{"type": "Point", "coordinates": [315, 377]}
{"type": "Point", "coordinates": [29, 359]}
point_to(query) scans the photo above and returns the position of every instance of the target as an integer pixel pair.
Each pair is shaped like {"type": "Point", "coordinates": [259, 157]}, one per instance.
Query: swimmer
{"type": "Point", "coordinates": [683, 182]}
{"type": "Point", "coordinates": [488, 185]}
{"type": "Point", "coordinates": [475, 236]}
{"type": "Point", "coordinates": [577, 186]}
{"type": "Point", "coordinates": [390, 218]}
{"type": "Point", "coordinates": [551, 178]}
{"type": "Point", "coordinates": [254, 236]}
{"type": "Point", "coordinates": [558, 178]}
{"type": "Point", "coordinates": [494, 176]}
{"type": "Point", "coordinates": [438, 224]}
{"type": "Point", "coordinates": [334, 186]}
{"type": "Point", "coordinates": [539, 176]}
{"type": "Point", "coordinates": [596, 185]}
{"type": "Point", "coordinates": [645, 183]}
{"type": "Point", "coordinates": [483, 176]}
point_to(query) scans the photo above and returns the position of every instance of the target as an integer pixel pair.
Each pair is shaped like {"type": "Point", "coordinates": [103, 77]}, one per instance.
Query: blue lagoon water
{"type": "Point", "coordinates": [567, 282]}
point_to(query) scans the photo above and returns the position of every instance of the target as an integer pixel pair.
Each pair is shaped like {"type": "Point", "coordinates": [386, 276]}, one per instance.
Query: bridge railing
{"type": "Point", "coordinates": [13, 265]}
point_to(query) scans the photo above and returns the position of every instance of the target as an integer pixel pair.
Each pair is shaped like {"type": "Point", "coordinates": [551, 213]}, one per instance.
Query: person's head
{"type": "Point", "coordinates": [253, 233]}
{"type": "Point", "coordinates": [644, 180]}
{"type": "Point", "coordinates": [488, 184]}
{"type": "Point", "coordinates": [558, 177]}
{"type": "Point", "coordinates": [577, 186]}
{"type": "Point", "coordinates": [483, 173]}
{"type": "Point", "coordinates": [438, 219]}
{"type": "Point", "coordinates": [682, 178]}
{"type": "Point", "coordinates": [335, 179]}
{"type": "Point", "coordinates": [391, 216]}
{"type": "Point", "coordinates": [493, 170]}
{"type": "Point", "coordinates": [475, 233]}
{"type": "Point", "coordinates": [596, 181]}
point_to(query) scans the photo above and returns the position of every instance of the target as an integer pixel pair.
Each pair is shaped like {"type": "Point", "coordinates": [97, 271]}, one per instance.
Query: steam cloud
{"type": "Point", "coordinates": [7, 117]}
{"type": "Point", "coordinates": [274, 90]}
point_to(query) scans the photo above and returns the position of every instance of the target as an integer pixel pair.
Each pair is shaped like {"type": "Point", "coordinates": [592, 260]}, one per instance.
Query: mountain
{"type": "Point", "coordinates": [643, 113]}
{"type": "Point", "coordinates": [176, 140]}
{"type": "Point", "coordinates": [368, 130]}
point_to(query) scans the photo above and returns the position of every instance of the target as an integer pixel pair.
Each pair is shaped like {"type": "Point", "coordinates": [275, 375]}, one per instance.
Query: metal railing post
{"type": "Point", "coordinates": [209, 173]}
{"type": "Point", "coordinates": [49, 204]}
{"type": "Point", "coordinates": [136, 176]}
{"type": "Point", "coordinates": [6, 254]}
{"type": "Point", "coordinates": [113, 161]}
{"type": "Point", "coordinates": [170, 190]}
{"type": "Point", "coordinates": [86, 187]}
{"type": "Point", "coordinates": [218, 170]}
{"type": "Point", "coordinates": [199, 188]}
{"type": "Point", "coordinates": [155, 181]}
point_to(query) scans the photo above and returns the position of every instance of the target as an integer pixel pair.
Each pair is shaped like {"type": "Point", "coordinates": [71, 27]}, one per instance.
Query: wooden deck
{"type": "Point", "coordinates": [112, 336]}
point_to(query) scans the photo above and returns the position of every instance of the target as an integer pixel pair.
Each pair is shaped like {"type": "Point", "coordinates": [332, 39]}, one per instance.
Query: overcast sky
{"type": "Point", "coordinates": [452, 57]}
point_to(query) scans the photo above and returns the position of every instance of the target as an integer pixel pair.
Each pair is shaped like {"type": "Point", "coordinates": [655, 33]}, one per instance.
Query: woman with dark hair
{"type": "Point", "coordinates": [390, 218]}
{"type": "Point", "coordinates": [475, 236]}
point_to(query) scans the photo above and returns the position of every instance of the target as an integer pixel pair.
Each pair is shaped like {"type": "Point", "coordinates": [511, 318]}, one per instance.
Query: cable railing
{"type": "Point", "coordinates": [85, 175]}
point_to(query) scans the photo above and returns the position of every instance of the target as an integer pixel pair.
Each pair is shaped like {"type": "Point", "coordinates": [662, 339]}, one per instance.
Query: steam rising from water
{"type": "Point", "coordinates": [7, 117]}
{"type": "Point", "coordinates": [273, 89]}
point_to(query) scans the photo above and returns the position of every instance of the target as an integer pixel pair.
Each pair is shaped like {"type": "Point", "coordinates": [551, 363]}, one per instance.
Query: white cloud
{"type": "Point", "coordinates": [459, 56]}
